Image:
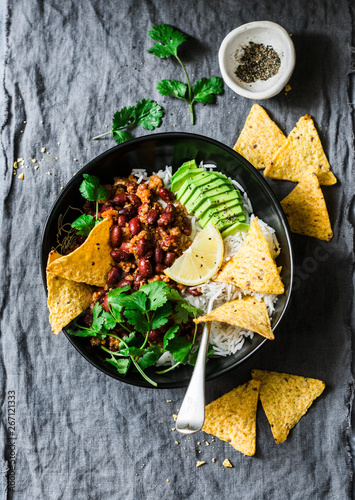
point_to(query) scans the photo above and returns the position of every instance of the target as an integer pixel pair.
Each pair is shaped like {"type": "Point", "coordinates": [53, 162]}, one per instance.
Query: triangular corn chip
{"type": "Point", "coordinates": [306, 210]}
{"type": "Point", "coordinates": [91, 262]}
{"type": "Point", "coordinates": [253, 267]}
{"type": "Point", "coordinates": [301, 152]}
{"type": "Point", "coordinates": [66, 298]}
{"type": "Point", "coordinates": [285, 399]}
{"type": "Point", "coordinates": [260, 138]}
{"type": "Point", "coordinates": [247, 313]}
{"type": "Point", "coordinates": [232, 417]}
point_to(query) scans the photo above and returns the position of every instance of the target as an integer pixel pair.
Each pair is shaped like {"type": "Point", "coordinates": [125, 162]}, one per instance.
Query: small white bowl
{"type": "Point", "coordinates": [267, 33]}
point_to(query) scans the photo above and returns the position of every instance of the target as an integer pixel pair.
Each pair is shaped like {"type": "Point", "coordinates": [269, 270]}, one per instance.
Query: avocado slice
{"type": "Point", "coordinates": [223, 210]}
{"type": "Point", "coordinates": [188, 165]}
{"type": "Point", "coordinates": [238, 227]}
{"type": "Point", "coordinates": [196, 199]}
{"type": "Point", "coordinates": [184, 176]}
{"type": "Point", "coordinates": [192, 182]}
{"type": "Point", "coordinates": [213, 202]}
{"type": "Point", "coordinates": [212, 183]}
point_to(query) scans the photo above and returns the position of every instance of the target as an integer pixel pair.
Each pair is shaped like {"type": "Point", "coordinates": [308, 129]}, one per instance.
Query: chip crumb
{"type": "Point", "coordinates": [288, 88]}
{"type": "Point", "coordinates": [207, 443]}
{"type": "Point", "coordinates": [43, 150]}
{"type": "Point", "coordinates": [15, 164]}
{"type": "Point", "coordinates": [168, 400]}
{"type": "Point", "coordinates": [199, 463]}
{"type": "Point", "coordinates": [25, 121]}
{"type": "Point", "coordinates": [75, 159]}
{"type": "Point", "coordinates": [213, 460]}
{"type": "Point", "coordinates": [174, 416]}
{"type": "Point", "coordinates": [226, 463]}
{"type": "Point", "coordinates": [198, 442]}
{"type": "Point", "coordinates": [34, 160]}
{"type": "Point", "coordinates": [21, 176]}
{"type": "Point", "coordinates": [58, 143]}
{"type": "Point", "coordinates": [36, 167]}
{"type": "Point", "coordinates": [41, 122]}
{"type": "Point", "coordinates": [168, 480]}
{"type": "Point", "coordinates": [176, 442]}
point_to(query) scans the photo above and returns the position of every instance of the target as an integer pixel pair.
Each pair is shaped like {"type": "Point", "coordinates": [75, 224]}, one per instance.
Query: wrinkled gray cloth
{"type": "Point", "coordinates": [80, 434]}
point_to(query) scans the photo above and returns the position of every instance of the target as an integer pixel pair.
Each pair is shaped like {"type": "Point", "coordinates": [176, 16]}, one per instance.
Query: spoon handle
{"type": "Point", "coordinates": [192, 412]}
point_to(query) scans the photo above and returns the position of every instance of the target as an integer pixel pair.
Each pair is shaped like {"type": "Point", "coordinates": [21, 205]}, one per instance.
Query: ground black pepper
{"type": "Point", "coordinates": [257, 62]}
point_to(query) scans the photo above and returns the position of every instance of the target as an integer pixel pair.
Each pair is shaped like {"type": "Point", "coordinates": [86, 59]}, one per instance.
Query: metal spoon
{"type": "Point", "coordinates": [192, 412]}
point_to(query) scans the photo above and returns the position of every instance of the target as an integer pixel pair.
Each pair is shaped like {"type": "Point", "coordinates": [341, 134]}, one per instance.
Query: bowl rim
{"type": "Point", "coordinates": [284, 77]}
{"type": "Point", "coordinates": [155, 137]}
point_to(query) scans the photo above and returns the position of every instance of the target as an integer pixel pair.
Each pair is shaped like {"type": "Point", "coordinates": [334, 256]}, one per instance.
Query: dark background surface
{"type": "Point", "coordinates": [80, 434]}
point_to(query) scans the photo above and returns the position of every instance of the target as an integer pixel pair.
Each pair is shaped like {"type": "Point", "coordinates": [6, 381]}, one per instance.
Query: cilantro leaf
{"type": "Point", "coordinates": [115, 297]}
{"type": "Point", "coordinates": [121, 364]}
{"type": "Point", "coordinates": [194, 311]}
{"type": "Point", "coordinates": [180, 348]}
{"type": "Point", "coordinates": [84, 224]}
{"type": "Point", "coordinates": [173, 294]}
{"type": "Point", "coordinates": [205, 89]}
{"type": "Point", "coordinates": [132, 340]}
{"type": "Point", "coordinates": [98, 320]}
{"type": "Point", "coordinates": [91, 188]}
{"type": "Point", "coordinates": [137, 319]}
{"type": "Point", "coordinates": [123, 117]}
{"type": "Point", "coordinates": [157, 292]}
{"type": "Point", "coordinates": [150, 357]}
{"type": "Point", "coordinates": [109, 321]}
{"type": "Point", "coordinates": [173, 88]}
{"type": "Point", "coordinates": [181, 314]}
{"type": "Point", "coordinates": [148, 114]}
{"type": "Point", "coordinates": [121, 136]}
{"type": "Point", "coordinates": [169, 39]}
{"type": "Point", "coordinates": [135, 301]}
{"type": "Point", "coordinates": [160, 317]}
{"type": "Point", "coordinates": [170, 334]}
{"type": "Point", "coordinates": [82, 332]}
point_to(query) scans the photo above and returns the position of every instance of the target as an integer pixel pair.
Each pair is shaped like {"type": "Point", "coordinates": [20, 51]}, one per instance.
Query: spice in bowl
{"type": "Point", "coordinates": [257, 62]}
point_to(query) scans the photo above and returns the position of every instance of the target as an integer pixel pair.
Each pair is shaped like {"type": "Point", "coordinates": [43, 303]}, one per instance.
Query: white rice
{"type": "Point", "coordinates": [225, 339]}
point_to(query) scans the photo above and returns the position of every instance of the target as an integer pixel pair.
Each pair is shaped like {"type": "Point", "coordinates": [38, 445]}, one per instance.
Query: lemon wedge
{"type": "Point", "coordinates": [201, 261]}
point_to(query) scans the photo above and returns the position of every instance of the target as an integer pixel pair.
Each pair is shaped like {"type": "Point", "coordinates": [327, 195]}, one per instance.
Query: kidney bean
{"type": "Point", "coordinates": [159, 268]}
{"type": "Point", "coordinates": [152, 216]}
{"type": "Point", "coordinates": [145, 268]}
{"type": "Point", "coordinates": [165, 219]}
{"type": "Point", "coordinates": [126, 247]}
{"type": "Point", "coordinates": [187, 226]}
{"type": "Point", "coordinates": [122, 220]}
{"type": "Point", "coordinates": [195, 292]}
{"type": "Point", "coordinates": [80, 239]}
{"type": "Point", "coordinates": [154, 335]}
{"type": "Point", "coordinates": [115, 236]}
{"type": "Point", "coordinates": [105, 304]}
{"type": "Point", "coordinates": [141, 247]}
{"type": "Point", "coordinates": [113, 275]}
{"type": "Point", "coordinates": [149, 254]}
{"type": "Point", "coordinates": [164, 194]}
{"type": "Point", "coordinates": [124, 282]}
{"type": "Point", "coordinates": [132, 187]}
{"type": "Point", "coordinates": [119, 199]}
{"type": "Point", "coordinates": [170, 209]}
{"type": "Point", "coordinates": [119, 255]}
{"type": "Point", "coordinates": [169, 242]}
{"type": "Point", "coordinates": [169, 258]}
{"type": "Point", "coordinates": [134, 226]}
{"type": "Point", "coordinates": [129, 212]}
{"type": "Point", "coordinates": [89, 206]}
{"type": "Point", "coordinates": [134, 199]}
{"type": "Point", "coordinates": [105, 208]}
{"type": "Point", "coordinates": [158, 254]}
{"type": "Point", "coordinates": [87, 320]}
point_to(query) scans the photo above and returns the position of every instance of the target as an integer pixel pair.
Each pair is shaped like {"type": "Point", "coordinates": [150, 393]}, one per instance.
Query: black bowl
{"type": "Point", "coordinates": [154, 152]}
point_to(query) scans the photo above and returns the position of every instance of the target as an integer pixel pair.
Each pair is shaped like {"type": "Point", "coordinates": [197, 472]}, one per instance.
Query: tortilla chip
{"type": "Point", "coordinates": [285, 399]}
{"type": "Point", "coordinates": [66, 299]}
{"type": "Point", "coordinates": [232, 417]}
{"type": "Point", "coordinates": [260, 138]}
{"type": "Point", "coordinates": [246, 313]}
{"type": "Point", "coordinates": [253, 267]}
{"type": "Point", "coordinates": [306, 210]}
{"type": "Point", "coordinates": [302, 152]}
{"type": "Point", "coordinates": [91, 262]}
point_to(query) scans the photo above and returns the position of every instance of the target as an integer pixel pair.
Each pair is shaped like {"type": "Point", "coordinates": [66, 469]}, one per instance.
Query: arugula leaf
{"type": "Point", "coordinates": [91, 188]}
{"type": "Point", "coordinates": [205, 89]}
{"type": "Point", "coordinates": [146, 114]}
{"type": "Point", "coordinates": [170, 334]}
{"type": "Point", "coordinates": [160, 317]}
{"type": "Point", "coordinates": [150, 357]}
{"type": "Point", "coordinates": [157, 292]}
{"type": "Point", "coordinates": [121, 364]}
{"type": "Point", "coordinates": [168, 38]}
{"type": "Point", "coordinates": [180, 348]}
{"type": "Point", "coordinates": [137, 319]}
{"type": "Point", "coordinates": [173, 88]}
{"type": "Point", "coordinates": [84, 224]}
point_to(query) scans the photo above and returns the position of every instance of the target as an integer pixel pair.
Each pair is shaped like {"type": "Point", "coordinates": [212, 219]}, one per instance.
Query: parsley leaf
{"type": "Point", "coordinates": [84, 224]}
{"type": "Point", "coordinates": [168, 40]}
{"type": "Point", "coordinates": [121, 364]}
{"type": "Point", "coordinates": [172, 88]}
{"type": "Point", "coordinates": [91, 188]}
{"type": "Point", "coordinates": [205, 89]}
{"type": "Point", "coordinates": [146, 114]}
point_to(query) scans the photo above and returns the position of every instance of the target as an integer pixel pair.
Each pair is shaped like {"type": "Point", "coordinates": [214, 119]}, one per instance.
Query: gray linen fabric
{"type": "Point", "coordinates": [80, 434]}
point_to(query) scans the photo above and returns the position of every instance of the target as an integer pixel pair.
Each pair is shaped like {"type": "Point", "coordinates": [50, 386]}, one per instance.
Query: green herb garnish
{"type": "Point", "coordinates": [168, 40]}
{"type": "Point", "coordinates": [91, 190]}
{"type": "Point", "coordinates": [146, 114]}
{"type": "Point", "coordinates": [151, 307]}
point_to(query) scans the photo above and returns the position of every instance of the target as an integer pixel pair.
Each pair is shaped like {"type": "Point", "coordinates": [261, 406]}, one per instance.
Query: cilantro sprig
{"type": "Point", "coordinates": [168, 39]}
{"type": "Point", "coordinates": [152, 306]}
{"type": "Point", "coordinates": [91, 190]}
{"type": "Point", "coordinates": [146, 114]}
